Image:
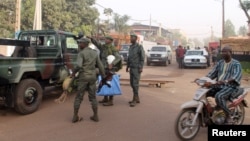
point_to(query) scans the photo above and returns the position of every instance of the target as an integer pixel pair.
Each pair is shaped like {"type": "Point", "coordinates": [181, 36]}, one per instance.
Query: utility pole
{"type": "Point", "coordinates": [212, 34]}
{"type": "Point", "coordinates": [37, 25]}
{"type": "Point", "coordinates": [223, 18]}
{"type": "Point", "coordinates": [18, 15]}
{"type": "Point", "coordinates": [150, 25]}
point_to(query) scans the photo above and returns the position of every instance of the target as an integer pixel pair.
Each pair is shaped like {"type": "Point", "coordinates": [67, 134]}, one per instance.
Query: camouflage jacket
{"type": "Point", "coordinates": [87, 61]}
{"type": "Point", "coordinates": [106, 50]}
{"type": "Point", "coordinates": [136, 56]}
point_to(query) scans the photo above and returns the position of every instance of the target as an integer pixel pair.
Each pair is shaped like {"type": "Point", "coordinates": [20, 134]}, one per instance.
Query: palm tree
{"type": "Point", "coordinates": [120, 23]}
{"type": "Point", "coordinates": [245, 6]}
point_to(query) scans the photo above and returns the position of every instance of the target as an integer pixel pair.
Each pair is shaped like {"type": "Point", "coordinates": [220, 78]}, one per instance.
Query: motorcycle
{"type": "Point", "coordinates": [201, 111]}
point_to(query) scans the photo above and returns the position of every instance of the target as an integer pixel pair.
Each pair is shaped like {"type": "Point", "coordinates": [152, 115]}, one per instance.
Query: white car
{"type": "Point", "coordinates": [195, 58]}
{"type": "Point", "coordinates": [160, 54]}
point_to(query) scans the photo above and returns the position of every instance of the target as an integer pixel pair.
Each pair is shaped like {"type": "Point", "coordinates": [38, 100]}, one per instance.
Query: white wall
{"type": "Point", "coordinates": [147, 45]}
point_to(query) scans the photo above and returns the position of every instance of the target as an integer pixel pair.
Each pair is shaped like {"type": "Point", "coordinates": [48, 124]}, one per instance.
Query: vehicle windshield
{"type": "Point", "coordinates": [158, 49]}
{"type": "Point", "coordinates": [124, 47]}
{"type": "Point", "coordinates": [197, 52]}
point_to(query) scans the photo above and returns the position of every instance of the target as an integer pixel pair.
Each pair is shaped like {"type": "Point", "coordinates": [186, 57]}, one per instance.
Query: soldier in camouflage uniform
{"type": "Point", "coordinates": [105, 50]}
{"type": "Point", "coordinates": [87, 61]}
{"type": "Point", "coordinates": [136, 56]}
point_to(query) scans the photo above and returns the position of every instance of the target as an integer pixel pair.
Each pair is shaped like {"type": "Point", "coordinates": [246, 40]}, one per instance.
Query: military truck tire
{"type": "Point", "coordinates": [28, 52]}
{"type": "Point", "coordinates": [28, 96]}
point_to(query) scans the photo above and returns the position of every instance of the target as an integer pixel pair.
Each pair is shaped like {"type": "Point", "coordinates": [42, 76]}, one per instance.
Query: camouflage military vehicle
{"type": "Point", "coordinates": [41, 58]}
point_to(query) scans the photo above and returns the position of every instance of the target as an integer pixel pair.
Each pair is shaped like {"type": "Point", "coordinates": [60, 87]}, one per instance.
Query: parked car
{"type": "Point", "coordinates": [124, 52]}
{"type": "Point", "coordinates": [160, 54]}
{"type": "Point", "coordinates": [195, 58]}
{"type": "Point", "coordinates": [170, 52]}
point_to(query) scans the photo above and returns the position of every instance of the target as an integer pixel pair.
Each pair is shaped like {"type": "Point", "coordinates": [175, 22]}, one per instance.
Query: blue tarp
{"type": "Point", "coordinates": [115, 88]}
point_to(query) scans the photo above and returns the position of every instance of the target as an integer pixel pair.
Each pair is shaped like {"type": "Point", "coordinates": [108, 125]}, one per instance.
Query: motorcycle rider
{"type": "Point", "coordinates": [228, 74]}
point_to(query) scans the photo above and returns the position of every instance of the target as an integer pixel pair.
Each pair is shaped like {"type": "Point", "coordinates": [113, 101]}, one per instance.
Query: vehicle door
{"type": "Point", "coordinates": [69, 50]}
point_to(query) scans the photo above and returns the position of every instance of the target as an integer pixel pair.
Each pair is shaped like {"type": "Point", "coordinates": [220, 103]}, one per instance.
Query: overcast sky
{"type": "Point", "coordinates": [194, 17]}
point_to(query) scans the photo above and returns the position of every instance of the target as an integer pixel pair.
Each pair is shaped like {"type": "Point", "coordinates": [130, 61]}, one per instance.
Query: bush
{"type": "Point", "coordinates": [245, 67]}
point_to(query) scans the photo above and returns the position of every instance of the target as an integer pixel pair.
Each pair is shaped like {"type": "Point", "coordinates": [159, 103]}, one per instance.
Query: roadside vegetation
{"type": "Point", "coordinates": [246, 69]}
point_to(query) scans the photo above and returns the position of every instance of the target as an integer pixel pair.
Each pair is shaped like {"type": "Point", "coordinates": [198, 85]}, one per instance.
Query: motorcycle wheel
{"type": "Point", "coordinates": [183, 128]}
{"type": "Point", "coordinates": [239, 114]}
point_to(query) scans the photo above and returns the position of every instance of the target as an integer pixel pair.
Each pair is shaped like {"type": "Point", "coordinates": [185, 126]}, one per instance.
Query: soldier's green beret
{"type": "Point", "coordinates": [83, 40]}
{"type": "Point", "coordinates": [133, 35]}
{"type": "Point", "coordinates": [109, 37]}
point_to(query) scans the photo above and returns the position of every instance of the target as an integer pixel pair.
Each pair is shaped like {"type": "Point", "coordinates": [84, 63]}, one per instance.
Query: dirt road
{"type": "Point", "coordinates": [151, 120]}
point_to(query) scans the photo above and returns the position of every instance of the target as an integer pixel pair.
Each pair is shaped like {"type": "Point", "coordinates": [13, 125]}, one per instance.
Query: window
{"type": "Point", "coordinates": [158, 48]}
{"type": "Point", "coordinates": [71, 45]}
{"type": "Point", "coordinates": [50, 40]}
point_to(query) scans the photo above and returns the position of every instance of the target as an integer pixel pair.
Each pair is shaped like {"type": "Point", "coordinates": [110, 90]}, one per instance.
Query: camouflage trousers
{"type": "Point", "coordinates": [135, 77]}
{"type": "Point", "coordinates": [81, 88]}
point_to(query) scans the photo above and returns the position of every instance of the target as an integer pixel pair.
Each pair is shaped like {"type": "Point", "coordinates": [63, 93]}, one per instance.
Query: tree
{"type": "Point", "coordinates": [178, 37]}
{"type": "Point", "coordinates": [120, 23]}
{"type": "Point", "coordinates": [242, 31]}
{"type": "Point", "coordinates": [229, 28]}
{"type": "Point", "coordinates": [27, 14]}
{"type": "Point", "coordinates": [69, 15]}
{"type": "Point", "coordinates": [245, 6]}
{"type": "Point", "coordinates": [7, 18]}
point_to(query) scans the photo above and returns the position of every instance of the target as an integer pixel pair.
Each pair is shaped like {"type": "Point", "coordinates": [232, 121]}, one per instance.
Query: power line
{"type": "Point", "coordinates": [139, 20]}
{"type": "Point", "coordinates": [100, 5]}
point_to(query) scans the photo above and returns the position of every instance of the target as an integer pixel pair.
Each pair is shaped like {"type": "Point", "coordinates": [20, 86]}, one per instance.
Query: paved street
{"type": "Point", "coordinates": [151, 120]}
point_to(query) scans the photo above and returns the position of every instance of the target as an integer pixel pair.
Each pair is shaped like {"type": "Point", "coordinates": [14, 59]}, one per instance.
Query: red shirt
{"type": "Point", "coordinates": [180, 52]}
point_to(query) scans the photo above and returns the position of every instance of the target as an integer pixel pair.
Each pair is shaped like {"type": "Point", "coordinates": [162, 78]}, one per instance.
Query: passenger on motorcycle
{"type": "Point", "coordinates": [228, 74]}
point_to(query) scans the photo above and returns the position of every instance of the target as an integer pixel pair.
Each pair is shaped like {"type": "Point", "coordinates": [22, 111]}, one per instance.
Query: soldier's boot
{"type": "Point", "coordinates": [135, 98]}
{"type": "Point", "coordinates": [132, 104]}
{"type": "Point", "coordinates": [110, 102]}
{"type": "Point", "coordinates": [134, 101]}
{"type": "Point", "coordinates": [76, 118]}
{"type": "Point", "coordinates": [95, 116]}
{"type": "Point", "coordinates": [104, 100]}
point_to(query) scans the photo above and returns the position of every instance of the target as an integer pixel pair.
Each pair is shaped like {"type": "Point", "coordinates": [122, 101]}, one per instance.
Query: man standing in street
{"type": "Point", "coordinates": [87, 60]}
{"type": "Point", "coordinates": [106, 50]}
{"type": "Point", "coordinates": [180, 52]}
{"type": "Point", "coordinates": [136, 56]}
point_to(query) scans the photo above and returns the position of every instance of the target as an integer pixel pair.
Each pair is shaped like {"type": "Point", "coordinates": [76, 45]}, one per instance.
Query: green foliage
{"type": "Point", "coordinates": [7, 18]}
{"type": "Point", "coordinates": [68, 15]}
{"type": "Point", "coordinates": [242, 31]}
{"type": "Point", "coordinates": [229, 29]}
{"type": "Point", "coordinates": [120, 23]}
{"type": "Point", "coordinates": [245, 67]}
